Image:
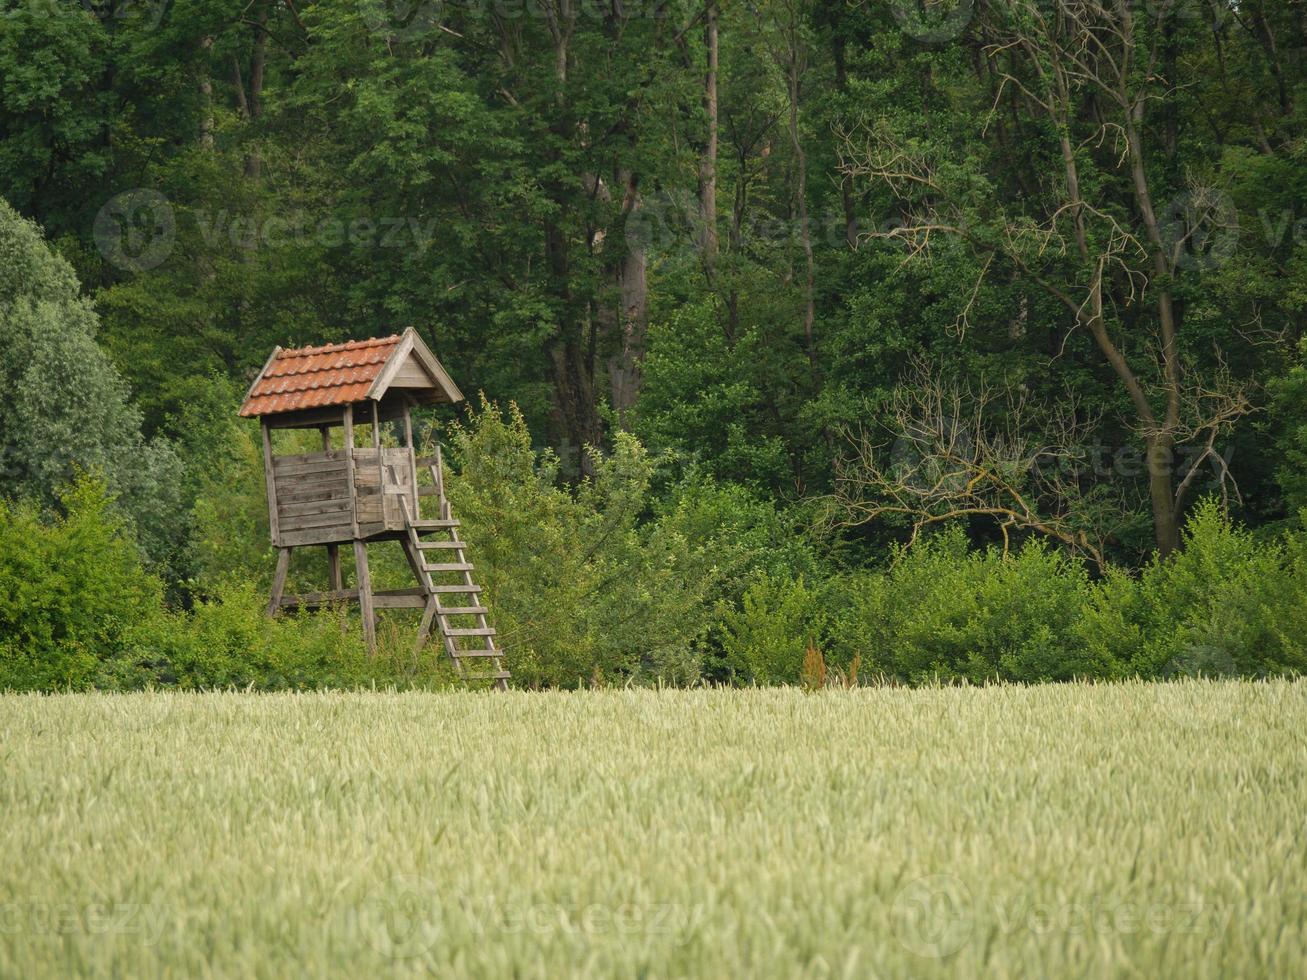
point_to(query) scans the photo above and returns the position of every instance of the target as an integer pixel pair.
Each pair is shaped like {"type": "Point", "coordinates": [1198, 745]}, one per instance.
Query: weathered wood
{"type": "Point", "coordinates": [478, 631]}
{"type": "Point", "coordinates": [304, 522]}
{"type": "Point", "coordinates": [279, 579]}
{"type": "Point", "coordinates": [449, 567]}
{"type": "Point", "coordinates": [320, 456]}
{"type": "Point", "coordinates": [412, 462]}
{"type": "Point", "coordinates": [270, 482]}
{"type": "Point", "coordinates": [295, 492]}
{"type": "Point", "coordinates": [302, 474]}
{"type": "Point", "coordinates": [399, 601]}
{"type": "Point", "coordinates": [424, 627]}
{"type": "Point", "coordinates": [329, 505]}
{"type": "Point", "coordinates": [341, 534]}
{"type": "Point", "coordinates": [334, 575]}
{"type": "Point", "coordinates": [348, 422]}
{"type": "Point", "coordinates": [441, 545]}
{"type": "Point", "coordinates": [365, 595]}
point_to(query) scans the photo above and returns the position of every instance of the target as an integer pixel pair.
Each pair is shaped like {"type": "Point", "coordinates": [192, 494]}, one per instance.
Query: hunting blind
{"type": "Point", "coordinates": [357, 495]}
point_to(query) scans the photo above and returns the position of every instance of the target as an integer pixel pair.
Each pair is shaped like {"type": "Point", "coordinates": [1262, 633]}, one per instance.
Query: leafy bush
{"type": "Point", "coordinates": [580, 591]}
{"type": "Point", "coordinates": [74, 598]}
{"type": "Point", "coordinates": [229, 641]}
{"type": "Point", "coordinates": [765, 640]}
{"type": "Point", "coordinates": [942, 612]}
{"type": "Point", "coordinates": [1228, 604]}
{"type": "Point", "coordinates": [65, 404]}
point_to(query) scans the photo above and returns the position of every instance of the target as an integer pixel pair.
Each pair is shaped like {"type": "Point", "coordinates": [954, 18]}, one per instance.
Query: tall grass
{"type": "Point", "coordinates": [1065, 830]}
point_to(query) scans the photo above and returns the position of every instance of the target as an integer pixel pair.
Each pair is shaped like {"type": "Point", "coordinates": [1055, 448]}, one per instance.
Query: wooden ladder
{"type": "Point", "coordinates": [448, 557]}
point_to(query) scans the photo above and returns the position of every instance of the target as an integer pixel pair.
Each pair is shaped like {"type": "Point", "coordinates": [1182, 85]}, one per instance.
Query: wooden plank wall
{"type": "Point", "coordinates": [313, 494]}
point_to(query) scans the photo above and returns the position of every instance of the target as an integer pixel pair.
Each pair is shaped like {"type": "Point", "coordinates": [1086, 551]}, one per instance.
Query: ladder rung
{"type": "Point", "coordinates": [498, 675]}
{"type": "Point", "coordinates": [447, 545]}
{"type": "Point", "coordinates": [482, 654]}
{"type": "Point", "coordinates": [448, 567]}
{"type": "Point", "coordinates": [432, 524]}
{"type": "Point", "coordinates": [479, 631]}
{"type": "Point", "coordinates": [445, 589]}
{"type": "Point", "coordinates": [463, 611]}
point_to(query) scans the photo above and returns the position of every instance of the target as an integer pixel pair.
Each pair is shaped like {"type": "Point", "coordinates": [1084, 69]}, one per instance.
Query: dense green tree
{"type": "Point", "coordinates": [66, 408]}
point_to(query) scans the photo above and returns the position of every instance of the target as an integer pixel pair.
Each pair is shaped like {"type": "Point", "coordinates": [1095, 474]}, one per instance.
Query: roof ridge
{"type": "Point", "coordinates": [345, 345]}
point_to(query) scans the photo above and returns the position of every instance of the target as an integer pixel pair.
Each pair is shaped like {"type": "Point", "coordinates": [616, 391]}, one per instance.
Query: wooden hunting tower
{"type": "Point", "coordinates": [360, 494]}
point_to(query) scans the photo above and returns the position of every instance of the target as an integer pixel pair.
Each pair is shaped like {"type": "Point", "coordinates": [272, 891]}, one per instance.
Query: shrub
{"type": "Point", "coordinates": [943, 612]}
{"type": "Point", "coordinates": [1227, 604]}
{"type": "Point", "coordinates": [764, 641]}
{"type": "Point", "coordinates": [74, 598]}
{"type": "Point", "coordinates": [580, 589]}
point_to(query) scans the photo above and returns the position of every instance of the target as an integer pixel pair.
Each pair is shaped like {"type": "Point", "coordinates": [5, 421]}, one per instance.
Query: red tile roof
{"type": "Point", "coordinates": [313, 377]}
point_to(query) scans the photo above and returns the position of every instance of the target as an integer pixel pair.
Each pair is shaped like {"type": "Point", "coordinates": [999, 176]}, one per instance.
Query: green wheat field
{"type": "Point", "coordinates": [1099, 831]}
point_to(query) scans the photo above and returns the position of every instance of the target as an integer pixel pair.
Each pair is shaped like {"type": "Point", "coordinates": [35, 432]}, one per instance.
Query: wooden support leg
{"type": "Point", "coordinates": [279, 580]}
{"type": "Point", "coordinates": [333, 568]}
{"type": "Point", "coordinates": [414, 561]}
{"type": "Point", "coordinates": [424, 627]}
{"type": "Point", "coordinates": [365, 595]}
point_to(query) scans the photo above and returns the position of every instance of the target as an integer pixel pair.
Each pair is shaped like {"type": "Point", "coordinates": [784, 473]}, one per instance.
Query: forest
{"type": "Point", "coordinates": [805, 341]}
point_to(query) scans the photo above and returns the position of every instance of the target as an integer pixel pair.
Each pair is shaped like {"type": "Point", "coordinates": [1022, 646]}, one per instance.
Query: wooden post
{"type": "Point", "coordinates": [365, 594]}
{"type": "Point", "coordinates": [270, 481]}
{"type": "Point", "coordinates": [279, 579]}
{"type": "Point", "coordinates": [335, 581]}
{"type": "Point", "coordinates": [349, 468]}
{"type": "Point", "coordinates": [412, 458]}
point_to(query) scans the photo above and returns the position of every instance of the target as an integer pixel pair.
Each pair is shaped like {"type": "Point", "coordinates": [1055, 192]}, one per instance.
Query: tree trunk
{"type": "Point", "coordinates": [801, 195]}
{"type": "Point", "coordinates": [708, 163]}
{"type": "Point", "coordinates": [624, 368]}
{"type": "Point", "coordinates": [258, 65]}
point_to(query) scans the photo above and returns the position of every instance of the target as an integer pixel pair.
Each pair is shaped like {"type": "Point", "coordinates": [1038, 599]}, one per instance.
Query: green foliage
{"type": "Point", "coordinates": [580, 592]}
{"type": "Point", "coordinates": [74, 599]}
{"type": "Point", "coordinates": [763, 642]}
{"type": "Point", "coordinates": [1228, 605]}
{"type": "Point", "coordinates": [944, 612]}
{"type": "Point", "coordinates": [66, 405]}
{"type": "Point", "coordinates": [230, 641]}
